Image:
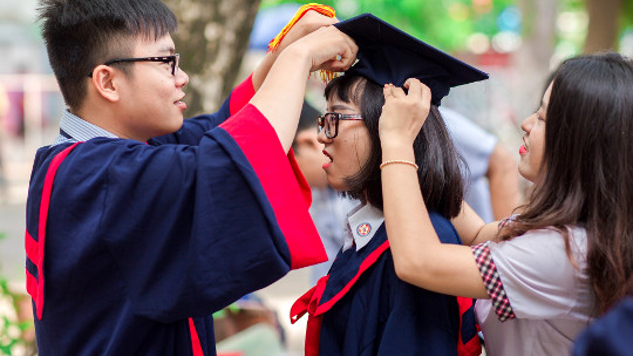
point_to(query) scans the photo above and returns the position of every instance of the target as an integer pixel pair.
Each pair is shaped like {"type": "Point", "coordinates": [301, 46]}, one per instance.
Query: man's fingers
{"type": "Point", "coordinates": [350, 50]}
{"type": "Point", "coordinates": [347, 56]}
{"type": "Point", "coordinates": [316, 18]}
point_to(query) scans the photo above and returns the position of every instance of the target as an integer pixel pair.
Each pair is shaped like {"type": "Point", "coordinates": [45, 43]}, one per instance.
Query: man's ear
{"type": "Point", "coordinates": [105, 81]}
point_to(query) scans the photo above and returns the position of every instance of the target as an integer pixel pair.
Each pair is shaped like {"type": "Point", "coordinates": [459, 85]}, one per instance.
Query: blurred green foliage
{"type": "Point", "coordinates": [627, 14]}
{"type": "Point", "coordinates": [12, 330]}
{"type": "Point", "coordinates": [443, 23]}
{"type": "Point", "coordinates": [447, 24]}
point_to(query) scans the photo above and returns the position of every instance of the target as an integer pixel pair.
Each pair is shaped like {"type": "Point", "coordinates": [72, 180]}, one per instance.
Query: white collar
{"type": "Point", "coordinates": [79, 129]}
{"type": "Point", "coordinates": [362, 224]}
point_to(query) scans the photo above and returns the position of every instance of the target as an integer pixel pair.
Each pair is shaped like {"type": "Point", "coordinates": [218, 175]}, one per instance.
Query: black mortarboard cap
{"type": "Point", "coordinates": [389, 55]}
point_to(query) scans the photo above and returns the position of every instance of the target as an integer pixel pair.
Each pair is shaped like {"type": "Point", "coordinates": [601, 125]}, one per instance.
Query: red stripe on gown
{"type": "Point", "coordinates": [195, 340]}
{"type": "Point", "coordinates": [36, 287]}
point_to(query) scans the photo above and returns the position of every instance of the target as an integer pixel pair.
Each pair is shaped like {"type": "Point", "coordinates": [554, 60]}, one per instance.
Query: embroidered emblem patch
{"type": "Point", "coordinates": [363, 229]}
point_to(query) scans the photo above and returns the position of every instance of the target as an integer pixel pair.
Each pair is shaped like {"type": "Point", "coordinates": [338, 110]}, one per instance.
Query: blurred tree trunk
{"type": "Point", "coordinates": [604, 24]}
{"type": "Point", "coordinates": [535, 56]}
{"type": "Point", "coordinates": [539, 41]}
{"type": "Point", "coordinates": [212, 38]}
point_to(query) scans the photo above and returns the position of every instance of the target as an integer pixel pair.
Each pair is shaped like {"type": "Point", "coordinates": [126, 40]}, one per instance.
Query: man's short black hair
{"type": "Point", "coordinates": [81, 34]}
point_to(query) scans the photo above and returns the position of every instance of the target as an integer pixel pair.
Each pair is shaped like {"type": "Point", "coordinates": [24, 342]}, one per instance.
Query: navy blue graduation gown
{"type": "Point", "coordinates": [143, 242]}
{"type": "Point", "coordinates": [610, 335]}
{"type": "Point", "coordinates": [365, 309]}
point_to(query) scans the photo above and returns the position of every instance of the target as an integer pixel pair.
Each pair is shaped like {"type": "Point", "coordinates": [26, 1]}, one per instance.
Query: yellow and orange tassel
{"type": "Point", "coordinates": [325, 10]}
{"type": "Point", "coordinates": [322, 9]}
{"type": "Point", "coordinates": [327, 75]}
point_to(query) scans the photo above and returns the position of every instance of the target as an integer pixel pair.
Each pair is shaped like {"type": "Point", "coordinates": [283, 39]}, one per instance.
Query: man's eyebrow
{"type": "Point", "coordinates": [168, 49]}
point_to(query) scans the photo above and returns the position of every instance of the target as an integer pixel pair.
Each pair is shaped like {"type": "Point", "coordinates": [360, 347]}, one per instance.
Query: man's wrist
{"type": "Point", "coordinates": [295, 54]}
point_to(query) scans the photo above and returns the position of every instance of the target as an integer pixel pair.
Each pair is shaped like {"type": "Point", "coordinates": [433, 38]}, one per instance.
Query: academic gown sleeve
{"type": "Point", "coordinates": [188, 228]}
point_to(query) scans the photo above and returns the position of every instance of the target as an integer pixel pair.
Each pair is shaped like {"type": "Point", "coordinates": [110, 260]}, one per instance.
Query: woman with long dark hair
{"type": "Point", "coordinates": [568, 256]}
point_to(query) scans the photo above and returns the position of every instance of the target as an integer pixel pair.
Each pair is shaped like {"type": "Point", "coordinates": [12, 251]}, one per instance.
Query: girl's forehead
{"type": "Point", "coordinates": [351, 89]}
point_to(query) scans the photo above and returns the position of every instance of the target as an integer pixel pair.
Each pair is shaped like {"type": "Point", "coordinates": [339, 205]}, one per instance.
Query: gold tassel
{"type": "Point", "coordinates": [325, 10]}
{"type": "Point", "coordinates": [325, 75]}
{"type": "Point", "coordinates": [322, 9]}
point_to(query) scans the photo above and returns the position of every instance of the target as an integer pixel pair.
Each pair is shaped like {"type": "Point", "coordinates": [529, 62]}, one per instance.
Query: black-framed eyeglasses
{"type": "Point", "coordinates": [329, 122]}
{"type": "Point", "coordinates": [173, 61]}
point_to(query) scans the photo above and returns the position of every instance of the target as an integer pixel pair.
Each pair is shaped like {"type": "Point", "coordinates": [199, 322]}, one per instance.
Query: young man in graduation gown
{"type": "Point", "coordinates": [140, 225]}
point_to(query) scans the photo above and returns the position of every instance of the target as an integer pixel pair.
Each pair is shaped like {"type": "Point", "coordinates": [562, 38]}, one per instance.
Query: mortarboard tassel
{"type": "Point", "coordinates": [325, 10]}
{"type": "Point", "coordinates": [322, 9]}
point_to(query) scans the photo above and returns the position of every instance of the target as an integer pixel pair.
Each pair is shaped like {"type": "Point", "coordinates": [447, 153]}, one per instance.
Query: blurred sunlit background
{"type": "Point", "coordinates": [519, 42]}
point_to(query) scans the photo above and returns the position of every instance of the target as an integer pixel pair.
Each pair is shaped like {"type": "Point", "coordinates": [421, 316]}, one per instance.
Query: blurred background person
{"type": "Point", "coordinates": [491, 178]}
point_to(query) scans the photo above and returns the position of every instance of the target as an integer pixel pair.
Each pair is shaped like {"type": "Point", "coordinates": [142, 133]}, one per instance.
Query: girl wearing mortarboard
{"type": "Point", "coordinates": [361, 307]}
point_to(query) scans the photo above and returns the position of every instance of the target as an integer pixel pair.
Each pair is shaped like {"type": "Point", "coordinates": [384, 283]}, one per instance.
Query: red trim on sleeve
{"type": "Point", "coordinates": [303, 182]}
{"type": "Point", "coordinates": [36, 287]}
{"type": "Point", "coordinates": [195, 340]}
{"type": "Point", "coordinates": [278, 175]}
{"type": "Point", "coordinates": [241, 95]}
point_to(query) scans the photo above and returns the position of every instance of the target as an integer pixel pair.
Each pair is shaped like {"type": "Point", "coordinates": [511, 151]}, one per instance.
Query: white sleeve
{"type": "Point", "coordinates": [538, 277]}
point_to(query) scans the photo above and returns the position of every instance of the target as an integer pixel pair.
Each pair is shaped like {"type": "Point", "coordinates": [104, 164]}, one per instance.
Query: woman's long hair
{"type": "Point", "coordinates": [586, 178]}
{"type": "Point", "coordinates": [439, 174]}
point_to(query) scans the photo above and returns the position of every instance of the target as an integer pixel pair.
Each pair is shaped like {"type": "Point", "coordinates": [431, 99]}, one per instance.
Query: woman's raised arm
{"type": "Point", "coordinates": [419, 257]}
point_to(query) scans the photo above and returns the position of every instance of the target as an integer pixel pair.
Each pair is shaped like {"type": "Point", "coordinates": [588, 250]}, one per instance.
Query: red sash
{"type": "Point", "coordinates": [308, 303]}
